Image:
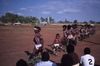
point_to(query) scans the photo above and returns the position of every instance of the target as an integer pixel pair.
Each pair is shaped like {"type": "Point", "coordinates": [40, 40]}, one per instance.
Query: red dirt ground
{"type": "Point", "coordinates": [15, 40]}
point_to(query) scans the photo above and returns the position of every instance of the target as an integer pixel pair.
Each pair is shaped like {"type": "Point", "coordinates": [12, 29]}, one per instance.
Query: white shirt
{"type": "Point", "coordinates": [87, 60]}
{"type": "Point", "coordinates": [46, 63]}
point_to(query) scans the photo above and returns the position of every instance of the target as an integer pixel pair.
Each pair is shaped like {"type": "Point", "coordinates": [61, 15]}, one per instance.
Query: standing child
{"type": "Point", "coordinates": [38, 46]}
{"type": "Point", "coordinates": [38, 41]}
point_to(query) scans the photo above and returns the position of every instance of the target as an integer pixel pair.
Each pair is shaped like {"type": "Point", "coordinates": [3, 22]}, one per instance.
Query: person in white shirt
{"type": "Point", "coordinates": [87, 59]}
{"type": "Point", "coordinates": [45, 60]}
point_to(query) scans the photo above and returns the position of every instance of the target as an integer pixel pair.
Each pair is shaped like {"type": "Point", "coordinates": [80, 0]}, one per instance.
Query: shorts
{"type": "Point", "coordinates": [56, 45]}
{"type": "Point", "coordinates": [38, 46]}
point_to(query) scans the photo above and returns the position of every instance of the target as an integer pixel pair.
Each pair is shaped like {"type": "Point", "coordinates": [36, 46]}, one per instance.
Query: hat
{"type": "Point", "coordinates": [37, 28]}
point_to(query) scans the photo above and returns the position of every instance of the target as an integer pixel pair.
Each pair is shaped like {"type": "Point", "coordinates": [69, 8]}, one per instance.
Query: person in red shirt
{"type": "Point", "coordinates": [56, 44]}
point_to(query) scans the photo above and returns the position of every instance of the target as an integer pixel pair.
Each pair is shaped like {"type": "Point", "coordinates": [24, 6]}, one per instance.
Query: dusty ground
{"type": "Point", "coordinates": [15, 40]}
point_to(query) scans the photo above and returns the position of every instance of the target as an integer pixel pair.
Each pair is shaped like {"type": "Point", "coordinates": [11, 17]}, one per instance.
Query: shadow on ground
{"type": "Point", "coordinates": [28, 53]}
{"type": "Point", "coordinates": [49, 51]}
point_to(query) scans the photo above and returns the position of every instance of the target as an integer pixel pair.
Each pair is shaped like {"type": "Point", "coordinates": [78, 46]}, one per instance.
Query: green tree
{"type": "Point", "coordinates": [10, 17]}
{"type": "Point", "coordinates": [75, 22]}
{"type": "Point", "coordinates": [92, 22]}
{"type": "Point", "coordinates": [46, 19]}
{"type": "Point", "coordinates": [42, 19]}
{"type": "Point", "coordinates": [51, 20]}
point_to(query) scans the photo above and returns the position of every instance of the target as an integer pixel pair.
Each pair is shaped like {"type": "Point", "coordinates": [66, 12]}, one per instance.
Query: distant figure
{"type": "Point", "coordinates": [64, 39]}
{"type": "Point", "coordinates": [66, 60]}
{"type": "Point", "coordinates": [21, 62]}
{"type": "Point", "coordinates": [38, 40]}
{"type": "Point", "coordinates": [70, 50]}
{"type": "Point", "coordinates": [87, 59]}
{"type": "Point", "coordinates": [45, 60]}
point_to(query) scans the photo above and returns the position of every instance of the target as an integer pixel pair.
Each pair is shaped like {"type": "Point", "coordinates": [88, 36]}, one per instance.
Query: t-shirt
{"type": "Point", "coordinates": [57, 41]}
{"type": "Point", "coordinates": [87, 60]}
{"type": "Point", "coordinates": [46, 63]}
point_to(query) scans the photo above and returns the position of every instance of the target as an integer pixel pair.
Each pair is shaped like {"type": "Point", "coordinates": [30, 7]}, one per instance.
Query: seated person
{"type": "Point", "coordinates": [66, 60]}
{"type": "Point", "coordinates": [45, 60]}
{"type": "Point", "coordinates": [56, 46]}
{"type": "Point", "coordinates": [87, 59]}
{"type": "Point", "coordinates": [70, 50]}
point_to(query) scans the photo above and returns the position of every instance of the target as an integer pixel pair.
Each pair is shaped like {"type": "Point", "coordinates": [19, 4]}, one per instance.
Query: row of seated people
{"type": "Point", "coordinates": [71, 35]}
{"type": "Point", "coordinates": [69, 59]}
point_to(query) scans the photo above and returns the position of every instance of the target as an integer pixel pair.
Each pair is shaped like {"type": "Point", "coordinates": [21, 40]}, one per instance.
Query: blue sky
{"type": "Point", "coordinates": [81, 10]}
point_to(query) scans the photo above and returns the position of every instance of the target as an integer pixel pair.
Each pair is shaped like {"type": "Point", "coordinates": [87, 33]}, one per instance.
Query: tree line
{"type": "Point", "coordinates": [12, 18]}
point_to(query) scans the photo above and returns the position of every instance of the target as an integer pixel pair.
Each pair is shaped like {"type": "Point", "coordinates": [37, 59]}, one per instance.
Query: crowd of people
{"type": "Point", "coordinates": [70, 59]}
{"type": "Point", "coordinates": [71, 35]}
